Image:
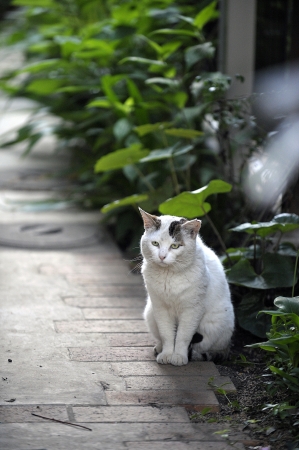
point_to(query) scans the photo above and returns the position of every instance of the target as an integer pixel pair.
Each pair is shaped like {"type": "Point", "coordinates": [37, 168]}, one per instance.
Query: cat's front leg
{"type": "Point", "coordinates": [187, 326]}
{"type": "Point", "coordinates": [166, 327]}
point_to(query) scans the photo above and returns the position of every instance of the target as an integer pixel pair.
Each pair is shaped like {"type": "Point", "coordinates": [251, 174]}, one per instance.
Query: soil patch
{"type": "Point", "coordinates": [245, 408]}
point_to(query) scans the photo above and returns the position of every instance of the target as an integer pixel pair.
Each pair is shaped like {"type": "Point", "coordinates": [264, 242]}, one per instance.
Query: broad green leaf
{"type": "Point", "coordinates": [99, 103]}
{"type": "Point", "coordinates": [289, 222]}
{"type": "Point", "coordinates": [170, 31]}
{"type": "Point", "coordinates": [140, 60]}
{"type": "Point", "coordinates": [278, 272]}
{"type": "Point", "coordinates": [121, 158]}
{"type": "Point", "coordinates": [131, 200]}
{"type": "Point", "coordinates": [192, 204]}
{"type": "Point", "coordinates": [248, 318]}
{"type": "Point", "coordinates": [198, 53]}
{"type": "Point", "coordinates": [44, 86]}
{"type": "Point", "coordinates": [167, 153]}
{"type": "Point", "coordinates": [184, 205]}
{"type": "Point", "coordinates": [183, 133]}
{"type": "Point", "coordinates": [243, 274]}
{"type": "Point", "coordinates": [142, 130]}
{"type": "Point", "coordinates": [206, 15]}
{"type": "Point", "coordinates": [41, 65]}
{"type": "Point", "coordinates": [214, 187]}
{"type": "Point", "coordinates": [288, 304]}
{"type": "Point", "coordinates": [283, 223]}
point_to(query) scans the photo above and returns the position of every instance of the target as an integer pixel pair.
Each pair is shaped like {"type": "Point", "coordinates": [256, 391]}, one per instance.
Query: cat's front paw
{"type": "Point", "coordinates": [158, 348]}
{"type": "Point", "coordinates": [164, 358]}
{"type": "Point", "coordinates": [179, 360]}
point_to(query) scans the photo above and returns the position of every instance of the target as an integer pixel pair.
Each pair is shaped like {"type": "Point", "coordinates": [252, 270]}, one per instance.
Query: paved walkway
{"type": "Point", "coordinates": [74, 348]}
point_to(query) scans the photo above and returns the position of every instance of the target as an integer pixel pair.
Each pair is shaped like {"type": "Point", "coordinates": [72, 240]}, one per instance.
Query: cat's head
{"type": "Point", "coordinates": [168, 240]}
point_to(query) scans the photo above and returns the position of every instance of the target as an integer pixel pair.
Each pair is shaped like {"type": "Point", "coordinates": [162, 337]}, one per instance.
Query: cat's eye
{"type": "Point", "coordinates": [175, 246]}
{"type": "Point", "coordinates": [155, 243]}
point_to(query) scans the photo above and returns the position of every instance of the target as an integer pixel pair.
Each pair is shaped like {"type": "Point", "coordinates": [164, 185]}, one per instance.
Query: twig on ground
{"type": "Point", "coordinates": [61, 421]}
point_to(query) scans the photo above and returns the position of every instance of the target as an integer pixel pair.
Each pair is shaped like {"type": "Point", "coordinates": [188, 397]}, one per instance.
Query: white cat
{"type": "Point", "coordinates": [189, 303]}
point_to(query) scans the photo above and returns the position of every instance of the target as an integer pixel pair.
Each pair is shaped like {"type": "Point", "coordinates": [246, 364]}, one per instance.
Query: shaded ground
{"type": "Point", "coordinates": [245, 408]}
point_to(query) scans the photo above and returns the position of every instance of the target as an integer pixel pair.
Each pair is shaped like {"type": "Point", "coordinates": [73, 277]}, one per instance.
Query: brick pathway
{"type": "Point", "coordinates": [75, 348]}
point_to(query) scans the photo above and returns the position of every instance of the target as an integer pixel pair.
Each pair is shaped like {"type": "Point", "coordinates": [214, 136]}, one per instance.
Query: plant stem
{"type": "Point", "coordinates": [174, 177]}
{"type": "Point", "coordinates": [146, 182]}
{"type": "Point", "coordinates": [218, 235]}
{"type": "Point", "coordinates": [295, 272]}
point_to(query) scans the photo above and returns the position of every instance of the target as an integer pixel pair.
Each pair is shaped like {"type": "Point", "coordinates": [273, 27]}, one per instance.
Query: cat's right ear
{"type": "Point", "coordinates": [150, 221]}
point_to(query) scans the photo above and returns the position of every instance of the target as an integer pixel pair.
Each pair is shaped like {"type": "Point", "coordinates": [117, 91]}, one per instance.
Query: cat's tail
{"type": "Point", "coordinates": [195, 354]}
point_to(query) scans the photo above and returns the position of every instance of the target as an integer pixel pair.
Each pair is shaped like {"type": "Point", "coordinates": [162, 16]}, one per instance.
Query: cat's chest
{"type": "Point", "coordinates": [170, 287]}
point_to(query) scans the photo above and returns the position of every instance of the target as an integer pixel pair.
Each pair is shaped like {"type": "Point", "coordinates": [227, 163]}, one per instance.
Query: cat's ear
{"type": "Point", "coordinates": [192, 227]}
{"type": "Point", "coordinates": [150, 221]}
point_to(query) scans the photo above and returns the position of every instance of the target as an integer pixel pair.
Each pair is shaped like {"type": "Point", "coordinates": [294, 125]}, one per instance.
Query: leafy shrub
{"type": "Point", "coordinates": [134, 81]}
{"type": "Point", "coordinates": [263, 266]}
{"type": "Point", "coordinates": [282, 347]}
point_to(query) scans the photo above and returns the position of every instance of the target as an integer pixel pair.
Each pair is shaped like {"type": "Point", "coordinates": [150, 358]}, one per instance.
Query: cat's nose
{"type": "Point", "coordinates": [162, 257]}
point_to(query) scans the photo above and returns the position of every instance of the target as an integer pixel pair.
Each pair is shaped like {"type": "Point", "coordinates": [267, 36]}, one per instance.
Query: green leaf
{"type": "Point", "coordinates": [142, 130]}
{"type": "Point", "coordinates": [99, 103]}
{"type": "Point", "coordinates": [184, 133]}
{"type": "Point", "coordinates": [283, 223]}
{"type": "Point", "coordinates": [184, 205]}
{"type": "Point", "coordinates": [170, 31]}
{"type": "Point", "coordinates": [44, 86]}
{"type": "Point", "coordinates": [248, 318]}
{"type": "Point", "coordinates": [121, 129]}
{"type": "Point", "coordinates": [288, 304]}
{"type": "Point", "coordinates": [278, 272]}
{"type": "Point", "coordinates": [41, 65]}
{"type": "Point", "coordinates": [206, 15]}
{"type": "Point", "coordinates": [121, 158]}
{"type": "Point", "coordinates": [192, 204]}
{"type": "Point", "coordinates": [131, 200]}
{"type": "Point", "coordinates": [167, 153]}
{"type": "Point", "coordinates": [198, 53]}
{"type": "Point", "coordinates": [140, 60]}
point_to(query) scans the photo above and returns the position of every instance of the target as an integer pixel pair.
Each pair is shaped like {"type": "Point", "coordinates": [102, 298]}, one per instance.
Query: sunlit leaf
{"type": "Point", "coordinates": [142, 130]}
{"type": "Point", "coordinates": [121, 158]}
{"type": "Point", "coordinates": [44, 86]}
{"type": "Point", "coordinates": [206, 15]}
{"type": "Point", "coordinates": [131, 200]}
{"type": "Point", "coordinates": [192, 204]}
{"type": "Point", "coordinates": [184, 133]}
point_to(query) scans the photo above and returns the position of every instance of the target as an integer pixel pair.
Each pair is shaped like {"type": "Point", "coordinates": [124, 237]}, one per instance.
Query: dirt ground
{"type": "Point", "coordinates": [246, 407]}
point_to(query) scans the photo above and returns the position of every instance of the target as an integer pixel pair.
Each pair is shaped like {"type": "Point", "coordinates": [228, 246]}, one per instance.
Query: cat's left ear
{"type": "Point", "coordinates": [192, 227]}
{"type": "Point", "coordinates": [150, 221]}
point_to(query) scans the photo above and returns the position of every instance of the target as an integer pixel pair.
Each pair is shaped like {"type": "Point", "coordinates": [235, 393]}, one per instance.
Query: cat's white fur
{"type": "Point", "coordinates": [187, 291]}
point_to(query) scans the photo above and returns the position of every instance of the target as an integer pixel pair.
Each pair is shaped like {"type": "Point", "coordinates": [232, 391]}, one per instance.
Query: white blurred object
{"type": "Point", "coordinates": [272, 171]}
